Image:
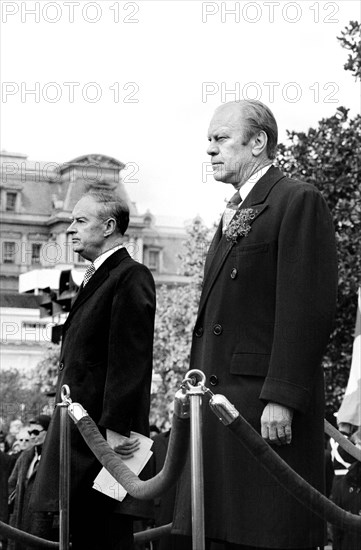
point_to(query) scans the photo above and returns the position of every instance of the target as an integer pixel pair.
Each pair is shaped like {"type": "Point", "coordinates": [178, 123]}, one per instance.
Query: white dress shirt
{"type": "Point", "coordinates": [101, 259]}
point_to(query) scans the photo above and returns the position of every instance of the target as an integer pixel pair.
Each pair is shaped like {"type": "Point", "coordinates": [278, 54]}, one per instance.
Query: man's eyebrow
{"type": "Point", "coordinates": [220, 130]}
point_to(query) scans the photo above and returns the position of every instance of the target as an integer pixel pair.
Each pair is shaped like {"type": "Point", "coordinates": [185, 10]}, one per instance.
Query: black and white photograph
{"type": "Point", "coordinates": [180, 361]}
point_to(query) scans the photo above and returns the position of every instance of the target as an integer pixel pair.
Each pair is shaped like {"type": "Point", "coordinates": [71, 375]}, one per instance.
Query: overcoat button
{"type": "Point", "coordinates": [213, 380]}
{"type": "Point", "coordinates": [217, 330]}
{"type": "Point", "coordinates": [234, 273]}
{"type": "Point", "coordinates": [198, 332]}
{"type": "Point", "coordinates": [61, 365]}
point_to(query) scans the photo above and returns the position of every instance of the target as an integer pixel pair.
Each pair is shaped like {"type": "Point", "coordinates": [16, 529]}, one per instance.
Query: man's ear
{"type": "Point", "coordinates": [259, 143]}
{"type": "Point", "coordinates": [110, 225]}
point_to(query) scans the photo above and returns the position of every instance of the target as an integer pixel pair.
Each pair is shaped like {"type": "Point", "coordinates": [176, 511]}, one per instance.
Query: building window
{"type": "Point", "coordinates": [153, 260]}
{"type": "Point", "coordinates": [10, 202]}
{"type": "Point", "coordinates": [9, 251]}
{"type": "Point", "coordinates": [35, 253]}
{"type": "Point", "coordinates": [36, 332]}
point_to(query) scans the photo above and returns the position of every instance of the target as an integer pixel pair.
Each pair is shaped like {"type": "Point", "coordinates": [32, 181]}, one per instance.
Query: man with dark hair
{"type": "Point", "coordinates": [106, 359]}
{"type": "Point", "coordinates": [264, 319]}
{"type": "Point", "coordinates": [21, 483]}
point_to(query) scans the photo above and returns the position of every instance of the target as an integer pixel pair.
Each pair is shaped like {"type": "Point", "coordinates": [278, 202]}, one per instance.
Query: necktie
{"type": "Point", "coordinates": [33, 466]}
{"type": "Point", "coordinates": [230, 210]}
{"type": "Point", "coordinates": [88, 274]}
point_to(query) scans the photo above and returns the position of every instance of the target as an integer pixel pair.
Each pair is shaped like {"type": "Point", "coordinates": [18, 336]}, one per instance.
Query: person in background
{"type": "Point", "coordinates": [21, 483]}
{"type": "Point", "coordinates": [3, 443]}
{"type": "Point", "coordinates": [14, 428]}
{"type": "Point", "coordinates": [347, 495]}
{"type": "Point", "coordinates": [7, 462]}
{"type": "Point", "coordinates": [22, 441]}
{"type": "Point", "coordinates": [153, 430]}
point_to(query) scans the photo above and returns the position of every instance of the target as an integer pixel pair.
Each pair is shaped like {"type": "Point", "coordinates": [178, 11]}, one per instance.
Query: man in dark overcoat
{"type": "Point", "coordinates": [106, 359]}
{"type": "Point", "coordinates": [264, 319]}
{"type": "Point", "coordinates": [21, 483]}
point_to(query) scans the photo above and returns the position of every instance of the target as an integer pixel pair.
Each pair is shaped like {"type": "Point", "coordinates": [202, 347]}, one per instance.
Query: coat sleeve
{"type": "Point", "coordinates": [130, 349]}
{"type": "Point", "coordinates": [305, 298]}
{"type": "Point", "coordinates": [13, 478]}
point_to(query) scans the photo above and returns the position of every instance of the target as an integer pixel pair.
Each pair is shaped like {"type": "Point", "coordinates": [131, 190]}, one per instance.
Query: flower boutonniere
{"type": "Point", "coordinates": [240, 224]}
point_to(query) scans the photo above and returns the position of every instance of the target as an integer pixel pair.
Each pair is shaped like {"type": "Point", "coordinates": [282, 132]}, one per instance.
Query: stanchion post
{"type": "Point", "coordinates": [195, 393]}
{"type": "Point", "coordinates": [64, 470]}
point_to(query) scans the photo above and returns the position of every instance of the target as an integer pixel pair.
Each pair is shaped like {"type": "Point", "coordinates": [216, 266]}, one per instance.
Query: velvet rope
{"type": "Point", "coordinates": [250, 439]}
{"type": "Point", "coordinates": [10, 532]}
{"type": "Point", "coordinates": [151, 488]}
{"type": "Point", "coordinates": [290, 480]}
{"type": "Point", "coordinates": [31, 540]}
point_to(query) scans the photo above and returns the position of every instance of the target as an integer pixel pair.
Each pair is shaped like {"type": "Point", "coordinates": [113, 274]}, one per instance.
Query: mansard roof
{"type": "Point", "coordinates": [49, 188]}
{"type": "Point", "coordinates": [97, 160]}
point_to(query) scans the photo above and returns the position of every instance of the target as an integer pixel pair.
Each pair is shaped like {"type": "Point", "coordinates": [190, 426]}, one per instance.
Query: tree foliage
{"type": "Point", "coordinates": [23, 395]}
{"type": "Point", "coordinates": [20, 397]}
{"type": "Point", "coordinates": [46, 371]}
{"type": "Point", "coordinates": [350, 40]}
{"type": "Point", "coordinates": [176, 314]}
{"type": "Point", "coordinates": [328, 157]}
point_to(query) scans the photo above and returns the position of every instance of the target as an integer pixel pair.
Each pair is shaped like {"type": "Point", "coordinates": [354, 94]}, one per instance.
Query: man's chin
{"type": "Point", "coordinates": [77, 248]}
{"type": "Point", "coordinates": [220, 175]}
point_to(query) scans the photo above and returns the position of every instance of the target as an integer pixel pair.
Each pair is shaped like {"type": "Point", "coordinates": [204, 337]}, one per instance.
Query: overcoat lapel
{"type": "Point", "coordinates": [213, 247]}
{"type": "Point", "coordinates": [220, 247]}
{"type": "Point", "coordinates": [263, 187]}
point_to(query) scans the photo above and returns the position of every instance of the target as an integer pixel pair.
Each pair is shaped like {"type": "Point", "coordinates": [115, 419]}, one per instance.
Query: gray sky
{"type": "Point", "coordinates": [140, 80]}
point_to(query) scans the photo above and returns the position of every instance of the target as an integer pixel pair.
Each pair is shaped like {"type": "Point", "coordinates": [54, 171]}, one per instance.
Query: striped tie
{"type": "Point", "coordinates": [88, 274]}
{"type": "Point", "coordinates": [232, 206]}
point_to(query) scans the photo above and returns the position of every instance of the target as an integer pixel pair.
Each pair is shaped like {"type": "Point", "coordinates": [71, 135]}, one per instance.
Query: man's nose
{"type": "Point", "coordinates": [71, 228]}
{"type": "Point", "coordinates": [212, 148]}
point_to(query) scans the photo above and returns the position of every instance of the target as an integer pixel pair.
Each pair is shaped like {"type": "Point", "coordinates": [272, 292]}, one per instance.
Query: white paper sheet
{"type": "Point", "coordinates": [105, 482]}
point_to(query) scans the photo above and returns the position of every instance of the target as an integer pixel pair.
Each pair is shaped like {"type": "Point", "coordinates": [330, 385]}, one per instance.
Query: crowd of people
{"type": "Point", "coordinates": [265, 315]}
{"type": "Point", "coordinates": [19, 464]}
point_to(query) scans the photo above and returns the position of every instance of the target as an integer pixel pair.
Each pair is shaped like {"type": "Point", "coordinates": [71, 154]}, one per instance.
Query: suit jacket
{"type": "Point", "coordinates": [264, 319]}
{"type": "Point", "coordinates": [106, 359]}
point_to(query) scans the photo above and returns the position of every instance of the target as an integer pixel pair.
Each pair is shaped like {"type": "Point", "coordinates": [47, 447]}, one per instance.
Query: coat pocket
{"type": "Point", "coordinates": [93, 365]}
{"type": "Point", "coordinates": [257, 248]}
{"type": "Point", "coordinates": [250, 364]}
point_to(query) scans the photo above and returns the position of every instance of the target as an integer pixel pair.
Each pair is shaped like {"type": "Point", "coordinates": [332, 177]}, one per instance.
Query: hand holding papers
{"type": "Point", "coordinates": [136, 451]}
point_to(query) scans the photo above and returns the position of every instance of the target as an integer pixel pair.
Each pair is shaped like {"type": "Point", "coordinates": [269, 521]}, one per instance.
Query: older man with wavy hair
{"type": "Point", "coordinates": [264, 319]}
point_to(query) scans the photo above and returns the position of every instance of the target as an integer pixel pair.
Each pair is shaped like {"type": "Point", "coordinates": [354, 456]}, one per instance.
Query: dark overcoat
{"type": "Point", "coordinates": [264, 319]}
{"type": "Point", "coordinates": [6, 465]}
{"type": "Point", "coordinates": [106, 360]}
{"type": "Point", "coordinates": [22, 517]}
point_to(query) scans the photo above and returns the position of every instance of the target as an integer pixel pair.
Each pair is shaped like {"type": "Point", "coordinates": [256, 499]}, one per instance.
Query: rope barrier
{"type": "Point", "coordinates": [153, 534]}
{"type": "Point", "coordinates": [31, 540]}
{"type": "Point", "coordinates": [290, 480]}
{"type": "Point", "coordinates": [151, 488]}
{"type": "Point", "coordinates": [17, 535]}
{"type": "Point", "coordinates": [279, 469]}
{"type": "Point", "coordinates": [176, 458]}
